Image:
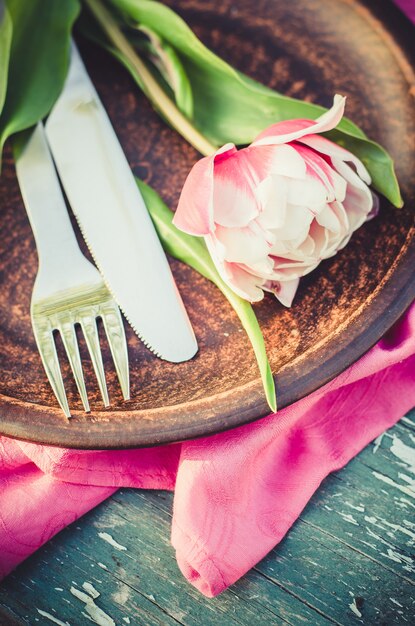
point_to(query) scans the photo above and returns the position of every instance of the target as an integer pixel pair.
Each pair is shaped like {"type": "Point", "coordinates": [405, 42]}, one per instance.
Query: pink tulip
{"type": "Point", "coordinates": [271, 212]}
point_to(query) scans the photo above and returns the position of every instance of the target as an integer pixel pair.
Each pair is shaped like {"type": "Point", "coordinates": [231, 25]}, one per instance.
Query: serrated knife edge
{"type": "Point", "coordinates": [107, 180]}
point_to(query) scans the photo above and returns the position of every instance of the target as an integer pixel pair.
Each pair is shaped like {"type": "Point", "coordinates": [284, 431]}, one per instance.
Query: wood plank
{"type": "Point", "coordinates": [288, 608]}
{"type": "Point", "coordinates": [370, 515]}
{"type": "Point", "coordinates": [57, 589]}
{"type": "Point", "coordinates": [146, 570]}
{"type": "Point", "coordinates": [345, 561]}
{"type": "Point", "coordinates": [332, 577]}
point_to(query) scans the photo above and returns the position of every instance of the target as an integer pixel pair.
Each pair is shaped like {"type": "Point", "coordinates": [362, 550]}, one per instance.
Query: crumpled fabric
{"type": "Point", "coordinates": [236, 494]}
{"type": "Point", "coordinates": [407, 7]}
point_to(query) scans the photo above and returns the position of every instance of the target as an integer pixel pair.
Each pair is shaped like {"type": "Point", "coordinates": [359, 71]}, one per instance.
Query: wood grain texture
{"type": "Point", "coordinates": [308, 49]}
{"type": "Point", "coordinates": [347, 560]}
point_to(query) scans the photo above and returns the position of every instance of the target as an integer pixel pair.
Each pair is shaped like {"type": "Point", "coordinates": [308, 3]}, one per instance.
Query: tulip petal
{"type": "Point", "coordinates": [194, 214]}
{"type": "Point", "coordinates": [295, 228]}
{"type": "Point", "coordinates": [321, 239]}
{"type": "Point", "coordinates": [285, 270]}
{"type": "Point", "coordinates": [318, 167]}
{"type": "Point", "coordinates": [358, 202]}
{"type": "Point", "coordinates": [272, 195]}
{"type": "Point", "coordinates": [284, 291]}
{"type": "Point", "coordinates": [328, 219]}
{"type": "Point", "coordinates": [327, 242]}
{"type": "Point", "coordinates": [246, 285]}
{"type": "Point", "coordinates": [263, 161]}
{"type": "Point", "coordinates": [341, 213]}
{"type": "Point", "coordinates": [282, 160]}
{"type": "Point", "coordinates": [352, 179]}
{"type": "Point", "coordinates": [309, 193]}
{"type": "Point", "coordinates": [234, 200]}
{"type": "Point", "coordinates": [242, 245]}
{"type": "Point", "coordinates": [238, 179]}
{"type": "Point", "coordinates": [334, 151]}
{"type": "Point", "coordinates": [293, 130]}
{"type": "Point", "coordinates": [306, 249]}
{"type": "Point", "coordinates": [243, 283]}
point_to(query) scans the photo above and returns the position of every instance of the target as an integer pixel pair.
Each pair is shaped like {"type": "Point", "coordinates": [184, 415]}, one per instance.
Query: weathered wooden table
{"type": "Point", "coordinates": [347, 560]}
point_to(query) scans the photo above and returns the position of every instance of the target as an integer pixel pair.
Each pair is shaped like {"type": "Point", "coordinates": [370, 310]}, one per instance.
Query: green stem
{"type": "Point", "coordinates": [153, 90]}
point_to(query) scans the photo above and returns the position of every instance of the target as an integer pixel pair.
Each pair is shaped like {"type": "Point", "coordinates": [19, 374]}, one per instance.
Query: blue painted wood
{"type": "Point", "coordinates": [347, 560]}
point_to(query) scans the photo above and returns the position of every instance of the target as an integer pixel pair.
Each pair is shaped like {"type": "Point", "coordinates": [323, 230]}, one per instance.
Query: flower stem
{"type": "Point", "coordinates": [153, 90]}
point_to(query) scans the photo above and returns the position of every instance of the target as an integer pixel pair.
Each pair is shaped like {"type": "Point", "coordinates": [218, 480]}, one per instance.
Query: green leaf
{"type": "Point", "coordinates": [163, 56]}
{"type": "Point", "coordinates": [6, 30]}
{"type": "Point", "coordinates": [171, 68]}
{"type": "Point", "coordinates": [230, 107]}
{"type": "Point", "coordinates": [39, 57]}
{"type": "Point", "coordinates": [192, 251]}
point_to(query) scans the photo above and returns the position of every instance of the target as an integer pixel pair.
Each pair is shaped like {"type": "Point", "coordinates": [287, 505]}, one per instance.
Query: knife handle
{"type": "Point", "coordinates": [45, 205]}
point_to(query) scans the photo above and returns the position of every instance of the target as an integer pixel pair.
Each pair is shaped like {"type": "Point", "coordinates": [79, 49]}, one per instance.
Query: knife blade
{"type": "Point", "coordinates": [113, 218]}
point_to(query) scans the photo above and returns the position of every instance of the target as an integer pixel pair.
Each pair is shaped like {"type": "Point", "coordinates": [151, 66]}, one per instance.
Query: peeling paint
{"type": "Point", "coordinates": [379, 538]}
{"type": "Point", "coordinates": [399, 528]}
{"type": "Point", "coordinates": [382, 523]}
{"type": "Point", "coordinates": [96, 614]}
{"type": "Point", "coordinates": [377, 443]}
{"type": "Point", "coordinates": [87, 617]}
{"type": "Point", "coordinates": [389, 481]}
{"type": "Point", "coordinates": [406, 502]}
{"type": "Point", "coordinates": [355, 609]}
{"type": "Point", "coordinates": [91, 590]}
{"type": "Point", "coordinates": [359, 508]}
{"type": "Point", "coordinates": [348, 518]}
{"type": "Point", "coordinates": [370, 545]}
{"type": "Point", "coordinates": [401, 505]}
{"type": "Point", "coordinates": [107, 537]}
{"type": "Point", "coordinates": [400, 558]}
{"type": "Point", "coordinates": [53, 619]}
{"type": "Point", "coordinates": [404, 453]}
{"type": "Point", "coordinates": [409, 480]}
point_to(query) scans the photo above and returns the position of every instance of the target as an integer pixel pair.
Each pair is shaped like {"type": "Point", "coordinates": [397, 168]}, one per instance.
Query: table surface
{"type": "Point", "coordinates": [347, 560]}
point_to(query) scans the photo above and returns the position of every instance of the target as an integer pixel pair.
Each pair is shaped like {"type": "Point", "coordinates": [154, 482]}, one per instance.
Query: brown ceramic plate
{"type": "Point", "coordinates": [308, 49]}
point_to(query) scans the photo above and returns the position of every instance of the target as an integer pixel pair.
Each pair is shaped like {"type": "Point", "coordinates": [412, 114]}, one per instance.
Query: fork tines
{"type": "Point", "coordinates": [62, 313]}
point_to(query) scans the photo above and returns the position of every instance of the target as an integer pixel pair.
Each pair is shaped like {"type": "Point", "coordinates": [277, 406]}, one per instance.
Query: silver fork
{"type": "Point", "coordinates": [68, 289]}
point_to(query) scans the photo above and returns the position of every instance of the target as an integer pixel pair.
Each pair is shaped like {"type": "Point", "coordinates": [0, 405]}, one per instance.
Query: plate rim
{"type": "Point", "coordinates": [399, 296]}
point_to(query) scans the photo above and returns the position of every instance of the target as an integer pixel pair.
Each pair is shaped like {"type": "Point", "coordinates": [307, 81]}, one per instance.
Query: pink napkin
{"type": "Point", "coordinates": [408, 7]}
{"type": "Point", "coordinates": [237, 493]}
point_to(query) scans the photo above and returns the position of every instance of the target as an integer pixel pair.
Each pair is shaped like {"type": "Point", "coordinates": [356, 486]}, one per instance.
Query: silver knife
{"type": "Point", "coordinates": [113, 218]}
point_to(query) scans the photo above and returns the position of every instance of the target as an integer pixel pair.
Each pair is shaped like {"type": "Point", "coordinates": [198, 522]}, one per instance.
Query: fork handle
{"type": "Point", "coordinates": [44, 201]}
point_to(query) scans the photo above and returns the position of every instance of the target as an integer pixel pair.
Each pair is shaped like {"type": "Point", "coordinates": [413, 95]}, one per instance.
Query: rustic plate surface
{"type": "Point", "coordinates": [308, 49]}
